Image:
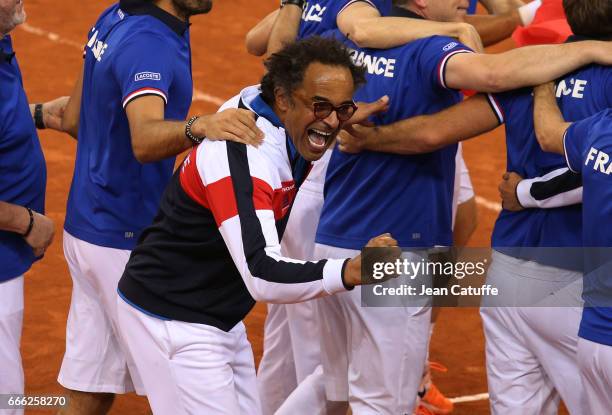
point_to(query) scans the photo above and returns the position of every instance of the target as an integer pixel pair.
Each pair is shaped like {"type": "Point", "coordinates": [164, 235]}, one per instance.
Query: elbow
{"type": "Point", "coordinates": [432, 140]}
{"type": "Point", "coordinates": [544, 137]}
{"type": "Point", "coordinates": [495, 80]}
{"type": "Point", "coordinates": [141, 153]}
{"type": "Point", "coordinates": [70, 126]}
{"type": "Point", "coordinates": [545, 142]}
{"type": "Point", "coordinates": [261, 295]}
{"type": "Point", "coordinates": [359, 34]}
{"type": "Point", "coordinates": [253, 48]}
{"type": "Point", "coordinates": [491, 75]}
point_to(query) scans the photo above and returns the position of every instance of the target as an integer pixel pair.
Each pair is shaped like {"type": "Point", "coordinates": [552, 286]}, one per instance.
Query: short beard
{"type": "Point", "coordinates": [188, 8]}
{"type": "Point", "coordinates": [9, 24]}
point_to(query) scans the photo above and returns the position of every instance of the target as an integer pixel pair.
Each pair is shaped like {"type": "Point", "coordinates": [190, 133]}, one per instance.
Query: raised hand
{"type": "Point", "coordinates": [367, 109]}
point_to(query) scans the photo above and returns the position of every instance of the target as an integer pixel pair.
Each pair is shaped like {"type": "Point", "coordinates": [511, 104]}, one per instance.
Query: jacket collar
{"type": "Point", "coordinates": [144, 7]}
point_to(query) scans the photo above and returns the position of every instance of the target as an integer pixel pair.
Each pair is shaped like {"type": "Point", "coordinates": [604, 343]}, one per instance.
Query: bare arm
{"type": "Point", "coordinates": [364, 25]}
{"type": "Point", "coordinates": [547, 118]}
{"type": "Point", "coordinates": [154, 138]}
{"type": "Point", "coordinates": [257, 38]}
{"type": "Point", "coordinates": [286, 28]}
{"type": "Point", "coordinates": [52, 112]}
{"type": "Point", "coordinates": [527, 66]}
{"type": "Point", "coordinates": [424, 133]}
{"type": "Point", "coordinates": [15, 218]}
{"type": "Point", "coordinates": [494, 28]}
{"type": "Point", "coordinates": [70, 121]}
{"type": "Point", "coordinates": [501, 6]}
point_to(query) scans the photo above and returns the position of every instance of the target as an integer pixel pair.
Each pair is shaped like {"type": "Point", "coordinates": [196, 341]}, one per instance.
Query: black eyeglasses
{"type": "Point", "coordinates": [323, 109]}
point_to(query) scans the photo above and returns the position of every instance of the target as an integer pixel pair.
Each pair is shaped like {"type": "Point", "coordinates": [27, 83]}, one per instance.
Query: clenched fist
{"type": "Point", "coordinates": [352, 272]}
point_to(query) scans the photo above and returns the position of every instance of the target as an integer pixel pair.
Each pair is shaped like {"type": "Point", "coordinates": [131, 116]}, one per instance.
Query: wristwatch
{"type": "Point", "coordinates": [299, 3]}
{"type": "Point", "coordinates": [38, 117]}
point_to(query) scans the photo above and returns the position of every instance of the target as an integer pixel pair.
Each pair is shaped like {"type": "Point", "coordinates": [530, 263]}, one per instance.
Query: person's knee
{"type": "Point", "coordinates": [87, 403]}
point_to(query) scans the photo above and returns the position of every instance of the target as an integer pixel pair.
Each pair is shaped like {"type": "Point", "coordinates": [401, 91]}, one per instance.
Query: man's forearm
{"type": "Point", "coordinates": [285, 28]}
{"type": "Point", "coordinates": [534, 65]}
{"type": "Point", "coordinates": [13, 218]}
{"type": "Point", "coordinates": [388, 32]}
{"type": "Point", "coordinates": [160, 140]}
{"type": "Point", "coordinates": [493, 29]}
{"type": "Point", "coordinates": [258, 37]}
{"type": "Point", "coordinates": [501, 6]}
{"type": "Point", "coordinates": [547, 118]}
{"type": "Point", "coordinates": [426, 133]}
{"type": "Point", "coordinates": [558, 188]}
{"type": "Point", "coordinates": [364, 26]}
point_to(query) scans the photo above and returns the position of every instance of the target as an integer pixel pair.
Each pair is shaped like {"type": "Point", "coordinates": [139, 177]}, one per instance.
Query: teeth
{"type": "Point", "coordinates": [323, 133]}
{"type": "Point", "coordinates": [316, 139]}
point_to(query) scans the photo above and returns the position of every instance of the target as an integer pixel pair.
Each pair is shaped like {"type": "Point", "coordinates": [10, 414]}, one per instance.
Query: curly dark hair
{"type": "Point", "coordinates": [286, 68]}
{"type": "Point", "coordinates": [590, 18]}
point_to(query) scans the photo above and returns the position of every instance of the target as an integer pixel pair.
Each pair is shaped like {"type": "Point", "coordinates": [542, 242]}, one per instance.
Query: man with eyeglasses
{"type": "Point", "coordinates": [213, 248]}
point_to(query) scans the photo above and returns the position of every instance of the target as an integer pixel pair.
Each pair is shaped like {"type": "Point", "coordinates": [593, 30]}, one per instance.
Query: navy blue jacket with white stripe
{"type": "Point", "coordinates": [213, 248]}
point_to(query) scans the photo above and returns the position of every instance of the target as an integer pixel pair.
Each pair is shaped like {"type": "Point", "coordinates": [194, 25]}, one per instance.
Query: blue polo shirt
{"type": "Point", "coordinates": [579, 94]}
{"type": "Point", "coordinates": [135, 49]}
{"type": "Point", "coordinates": [320, 16]}
{"type": "Point", "coordinates": [472, 7]}
{"type": "Point", "coordinates": [371, 193]}
{"type": "Point", "coordinates": [23, 174]}
{"type": "Point", "coordinates": [588, 149]}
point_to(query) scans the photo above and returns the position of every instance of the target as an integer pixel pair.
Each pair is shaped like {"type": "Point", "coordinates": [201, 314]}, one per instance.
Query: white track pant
{"type": "Point", "coordinates": [373, 357]}
{"type": "Point", "coordinates": [595, 362]}
{"type": "Point", "coordinates": [531, 352]}
{"type": "Point", "coordinates": [11, 323]}
{"type": "Point", "coordinates": [190, 368]}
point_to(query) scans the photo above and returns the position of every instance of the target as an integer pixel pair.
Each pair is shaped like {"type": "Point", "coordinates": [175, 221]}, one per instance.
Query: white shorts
{"type": "Point", "coordinates": [11, 322]}
{"type": "Point", "coordinates": [190, 368]}
{"type": "Point", "coordinates": [291, 333]}
{"type": "Point", "coordinates": [531, 352]}
{"type": "Point", "coordinates": [463, 189]}
{"type": "Point", "coordinates": [373, 357]}
{"type": "Point", "coordinates": [95, 359]}
{"type": "Point", "coordinates": [595, 361]}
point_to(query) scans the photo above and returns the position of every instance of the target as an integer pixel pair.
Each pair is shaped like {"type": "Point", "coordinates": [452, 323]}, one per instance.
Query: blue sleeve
{"type": "Point", "coordinates": [472, 6]}
{"type": "Point", "coordinates": [144, 67]}
{"type": "Point", "coordinates": [434, 56]}
{"type": "Point", "coordinates": [504, 103]}
{"type": "Point", "coordinates": [576, 140]}
{"type": "Point", "coordinates": [383, 6]}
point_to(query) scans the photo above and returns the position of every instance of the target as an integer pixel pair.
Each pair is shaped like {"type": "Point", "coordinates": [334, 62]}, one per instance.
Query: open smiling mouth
{"type": "Point", "coordinates": [317, 138]}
